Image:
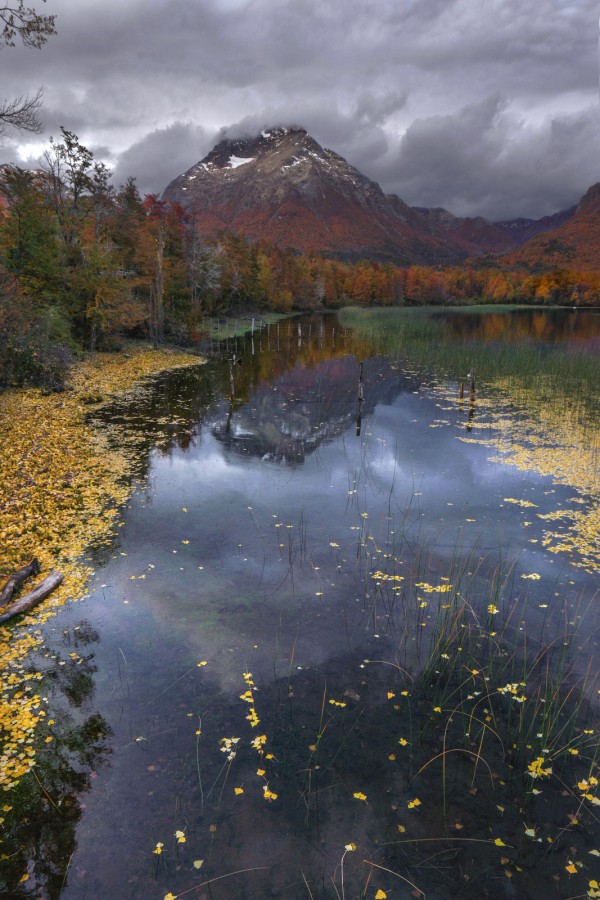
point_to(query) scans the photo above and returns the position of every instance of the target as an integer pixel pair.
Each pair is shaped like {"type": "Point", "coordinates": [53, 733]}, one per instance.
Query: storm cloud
{"type": "Point", "coordinates": [481, 106]}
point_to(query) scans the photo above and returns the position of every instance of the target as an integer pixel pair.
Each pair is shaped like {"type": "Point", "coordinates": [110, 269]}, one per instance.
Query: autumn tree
{"type": "Point", "coordinates": [28, 236]}
{"type": "Point", "coordinates": [160, 263]}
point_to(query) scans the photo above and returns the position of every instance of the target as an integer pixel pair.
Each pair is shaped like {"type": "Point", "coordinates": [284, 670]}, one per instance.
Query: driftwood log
{"type": "Point", "coordinates": [28, 601]}
{"type": "Point", "coordinates": [16, 579]}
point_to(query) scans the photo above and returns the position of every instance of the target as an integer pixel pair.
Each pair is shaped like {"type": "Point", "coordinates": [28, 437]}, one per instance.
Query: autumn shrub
{"type": "Point", "coordinates": [35, 348]}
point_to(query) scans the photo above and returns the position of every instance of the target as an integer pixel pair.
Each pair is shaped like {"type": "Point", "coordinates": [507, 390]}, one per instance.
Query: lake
{"type": "Point", "coordinates": [346, 641]}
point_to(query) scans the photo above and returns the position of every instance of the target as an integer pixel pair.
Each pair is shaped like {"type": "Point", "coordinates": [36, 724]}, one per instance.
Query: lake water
{"type": "Point", "coordinates": [288, 671]}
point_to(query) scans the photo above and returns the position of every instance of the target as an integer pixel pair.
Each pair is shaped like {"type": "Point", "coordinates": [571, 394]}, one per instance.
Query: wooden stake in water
{"type": "Point", "coordinates": [360, 400]}
{"type": "Point", "coordinates": [471, 399]}
{"type": "Point", "coordinates": [472, 380]}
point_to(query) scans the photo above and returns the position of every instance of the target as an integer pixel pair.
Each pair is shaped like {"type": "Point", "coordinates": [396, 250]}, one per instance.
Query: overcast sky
{"type": "Point", "coordinates": [484, 107]}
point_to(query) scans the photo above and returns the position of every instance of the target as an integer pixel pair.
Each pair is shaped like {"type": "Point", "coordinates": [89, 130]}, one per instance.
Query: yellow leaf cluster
{"type": "Point", "coordinates": [60, 491]}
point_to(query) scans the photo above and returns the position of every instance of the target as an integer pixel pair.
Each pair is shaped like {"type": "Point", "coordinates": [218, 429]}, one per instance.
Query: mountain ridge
{"type": "Point", "coordinates": [282, 187]}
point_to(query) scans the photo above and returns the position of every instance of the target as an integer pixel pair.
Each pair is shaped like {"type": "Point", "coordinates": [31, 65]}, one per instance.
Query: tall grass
{"type": "Point", "coordinates": [422, 338]}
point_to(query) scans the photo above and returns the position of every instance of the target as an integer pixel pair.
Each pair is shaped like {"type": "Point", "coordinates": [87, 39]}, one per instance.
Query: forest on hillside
{"type": "Point", "coordinates": [83, 264]}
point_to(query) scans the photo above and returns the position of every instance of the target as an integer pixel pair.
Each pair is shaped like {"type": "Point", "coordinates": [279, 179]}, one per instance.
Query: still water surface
{"type": "Point", "coordinates": [292, 543]}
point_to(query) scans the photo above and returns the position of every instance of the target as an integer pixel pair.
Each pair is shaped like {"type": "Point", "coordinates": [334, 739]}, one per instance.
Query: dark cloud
{"type": "Point", "coordinates": [162, 155]}
{"type": "Point", "coordinates": [463, 103]}
{"type": "Point", "coordinates": [481, 160]}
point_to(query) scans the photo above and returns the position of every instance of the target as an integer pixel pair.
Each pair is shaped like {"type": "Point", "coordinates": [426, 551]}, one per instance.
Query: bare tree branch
{"type": "Point", "coordinates": [25, 23]}
{"type": "Point", "coordinates": [33, 29]}
{"type": "Point", "coordinates": [22, 114]}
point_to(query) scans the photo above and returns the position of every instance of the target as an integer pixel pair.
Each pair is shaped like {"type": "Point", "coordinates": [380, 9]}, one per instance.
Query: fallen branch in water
{"type": "Point", "coordinates": [16, 579]}
{"type": "Point", "coordinates": [39, 593]}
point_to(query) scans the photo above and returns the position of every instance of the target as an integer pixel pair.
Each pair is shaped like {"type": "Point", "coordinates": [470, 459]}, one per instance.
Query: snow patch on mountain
{"type": "Point", "coordinates": [235, 161]}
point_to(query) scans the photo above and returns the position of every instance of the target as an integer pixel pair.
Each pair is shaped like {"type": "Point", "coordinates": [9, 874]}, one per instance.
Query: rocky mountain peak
{"type": "Point", "coordinates": [274, 150]}
{"type": "Point", "coordinates": [283, 187]}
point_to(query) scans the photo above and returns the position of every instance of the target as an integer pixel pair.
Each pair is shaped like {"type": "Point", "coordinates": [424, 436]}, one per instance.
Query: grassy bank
{"type": "Point", "coordinates": [221, 329]}
{"type": "Point", "coordinates": [61, 488]}
{"type": "Point", "coordinates": [422, 336]}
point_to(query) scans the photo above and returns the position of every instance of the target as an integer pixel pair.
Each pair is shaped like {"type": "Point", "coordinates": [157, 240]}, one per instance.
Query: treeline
{"type": "Point", "coordinates": [83, 263]}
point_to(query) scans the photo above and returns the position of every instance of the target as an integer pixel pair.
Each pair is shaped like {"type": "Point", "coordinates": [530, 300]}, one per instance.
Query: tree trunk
{"type": "Point", "coordinates": [16, 579]}
{"type": "Point", "coordinates": [157, 289]}
{"type": "Point", "coordinates": [39, 593]}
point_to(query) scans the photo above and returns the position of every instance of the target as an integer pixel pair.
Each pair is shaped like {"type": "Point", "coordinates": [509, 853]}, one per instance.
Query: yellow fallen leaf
{"type": "Point", "coordinates": [350, 847]}
{"type": "Point", "coordinates": [499, 842]}
{"type": "Point", "coordinates": [239, 790]}
{"type": "Point", "coordinates": [571, 869]}
{"type": "Point", "coordinates": [198, 863]}
{"type": "Point", "coordinates": [359, 796]}
{"type": "Point", "coordinates": [380, 895]}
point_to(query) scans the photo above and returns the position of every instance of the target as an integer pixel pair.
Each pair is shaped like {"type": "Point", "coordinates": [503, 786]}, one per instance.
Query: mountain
{"type": "Point", "coordinates": [477, 235]}
{"type": "Point", "coordinates": [522, 230]}
{"type": "Point", "coordinates": [283, 187]}
{"type": "Point", "coordinates": [574, 244]}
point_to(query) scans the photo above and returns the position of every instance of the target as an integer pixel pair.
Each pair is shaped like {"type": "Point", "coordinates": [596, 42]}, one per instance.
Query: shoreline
{"type": "Point", "coordinates": [61, 490]}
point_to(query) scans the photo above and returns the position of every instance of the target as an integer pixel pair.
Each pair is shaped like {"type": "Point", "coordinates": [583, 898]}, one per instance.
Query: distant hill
{"type": "Point", "coordinates": [574, 244]}
{"type": "Point", "coordinates": [522, 230]}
